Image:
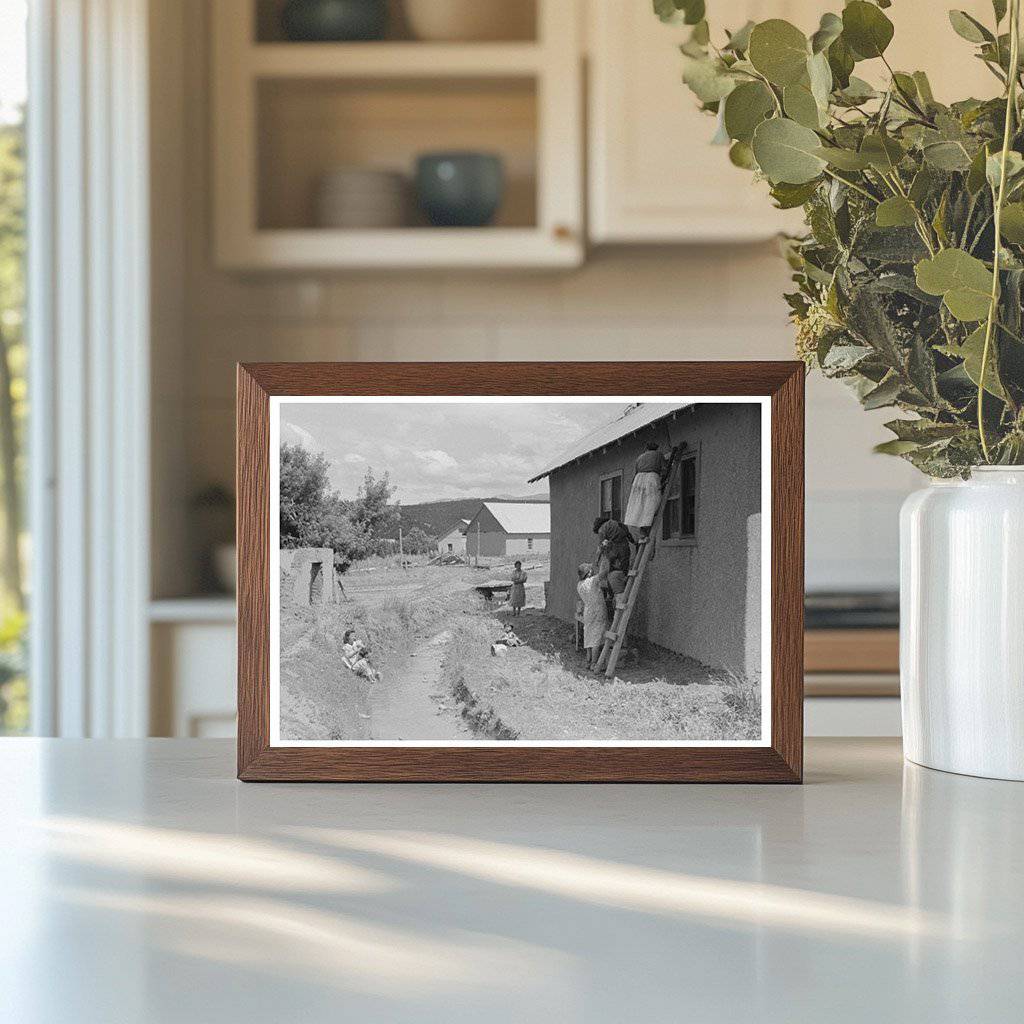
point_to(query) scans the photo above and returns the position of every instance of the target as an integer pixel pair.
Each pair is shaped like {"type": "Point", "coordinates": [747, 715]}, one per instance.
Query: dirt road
{"type": "Point", "coordinates": [408, 703]}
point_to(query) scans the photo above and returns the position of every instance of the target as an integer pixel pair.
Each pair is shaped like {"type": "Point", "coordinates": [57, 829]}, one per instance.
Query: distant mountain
{"type": "Point", "coordinates": [436, 518]}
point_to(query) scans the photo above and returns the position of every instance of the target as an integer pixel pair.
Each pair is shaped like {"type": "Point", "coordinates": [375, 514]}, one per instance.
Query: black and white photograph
{"type": "Point", "coordinates": [519, 570]}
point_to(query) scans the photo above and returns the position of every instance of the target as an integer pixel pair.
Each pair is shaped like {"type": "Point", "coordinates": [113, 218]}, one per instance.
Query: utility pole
{"type": "Point", "coordinates": [401, 549]}
{"type": "Point", "coordinates": [478, 543]}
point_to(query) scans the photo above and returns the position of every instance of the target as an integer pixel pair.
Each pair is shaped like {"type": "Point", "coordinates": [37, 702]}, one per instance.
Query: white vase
{"type": "Point", "coordinates": [962, 624]}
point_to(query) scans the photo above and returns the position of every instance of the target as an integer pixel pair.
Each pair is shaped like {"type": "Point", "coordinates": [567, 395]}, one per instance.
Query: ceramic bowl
{"type": "Point", "coordinates": [359, 197]}
{"type": "Point", "coordinates": [460, 189]}
{"type": "Point", "coordinates": [333, 21]}
{"type": "Point", "coordinates": [471, 20]}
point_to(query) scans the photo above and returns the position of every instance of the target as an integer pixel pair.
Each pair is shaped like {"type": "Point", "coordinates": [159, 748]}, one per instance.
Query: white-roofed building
{"type": "Point", "coordinates": [503, 528]}
{"type": "Point", "coordinates": [454, 541]}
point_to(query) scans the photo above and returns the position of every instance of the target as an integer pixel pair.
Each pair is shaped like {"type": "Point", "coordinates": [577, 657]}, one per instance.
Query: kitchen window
{"type": "Point", "coordinates": [679, 521]}
{"type": "Point", "coordinates": [14, 540]}
{"type": "Point", "coordinates": [611, 496]}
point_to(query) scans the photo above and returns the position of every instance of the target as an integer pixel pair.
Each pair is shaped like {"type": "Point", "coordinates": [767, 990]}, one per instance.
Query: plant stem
{"type": "Point", "coordinates": [853, 185]}
{"type": "Point", "coordinates": [1011, 109]}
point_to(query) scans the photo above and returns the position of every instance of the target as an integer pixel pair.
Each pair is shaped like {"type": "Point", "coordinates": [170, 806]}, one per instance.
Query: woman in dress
{"type": "Point", "coordinates": [517, 594]}
{"type": "Point", "coordinates": [354, 657]}
{"type": "Point", "coordinates": [645, 493]}
{"type": "Point", "coordinates": [595, 615]}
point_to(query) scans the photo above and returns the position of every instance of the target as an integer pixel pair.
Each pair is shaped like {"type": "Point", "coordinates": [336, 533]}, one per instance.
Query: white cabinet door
{"type": "Point", "coordinates": [654, 177]}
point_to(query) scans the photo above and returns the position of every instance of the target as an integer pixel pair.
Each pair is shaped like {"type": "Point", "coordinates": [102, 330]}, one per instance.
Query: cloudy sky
{"type": "Point", "coordinates": [442, 450]}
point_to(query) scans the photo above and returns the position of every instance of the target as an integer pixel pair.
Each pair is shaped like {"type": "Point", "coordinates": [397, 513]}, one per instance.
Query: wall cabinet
{"type": "Point", "coordinates": [287, 114]}
{"type": "Point", "coordinates": [653, 177]}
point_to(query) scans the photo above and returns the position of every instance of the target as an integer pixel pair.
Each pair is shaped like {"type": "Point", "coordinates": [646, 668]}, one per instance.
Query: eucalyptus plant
{"type": "Point", "coordinates": [910, 278]}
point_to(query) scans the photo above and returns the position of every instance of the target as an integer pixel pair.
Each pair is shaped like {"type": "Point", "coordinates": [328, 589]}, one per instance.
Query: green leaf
{"type": "Point", "coordinates": [741, 155]}
{"type": "Point", "coordinates": [787, 151]}
{"type": "Point", "coordinates": [829, 30]}
{"type": "Point", "coordinates": [999, 9]}
{"type": "Point", "coordinates": [923, 431]}
{"type": "Point", "coordinates": [779, 51]}
{"type": "Point", "coordinates": [885, 394]}
{"type": "Point", "coordinates": [976, 173]}
{"type": "Point", "coordinates": [701, 34]}
{"type": "Point", "coordinates": [689, 12]}
{"type": "Point", "coordinates": [745, 108]}
{"type": "Point", "coordinates": [819, 74]}
{"type": "Point", "coordinates": [922, 185]}
{"type": "Point", "coordinates": [866, 29]}
{"type": "Point", "coordinates": [707, 78]}
{"type": "Point", "coordinates": [895, 447]}
{"type": "Point", "coordinates": [841, 63]}
{"type": "Point", "coordinates": [1012, 224]}
{"type": "Point", "coordinates": [788, 196]}
{"type": "Point", "coordinates": [906, 84]}
{"type": "Point", "coordinates": [844, 159]}
{"type": "Point", "coordinates": [924, 88]}
{"type": "Point", "coordinates": [895, 212]}
{"type": "Point", "coordinates": [993, 167]}
{"type": "Point", "coordinates": [801, 106]}
{"type": "Point", "coordinates": [963, 281]}
{"type": "Point", "coordinates": [969, 28]}
{"type": "Point", "coordinates": [666, 10]}
{"type": "Point", "coordinates": [883, 152]}
{"type": "Point", "coordinates": [739, 41]}
{"type": "Point", "coordinates": [971, 351]}
{"type": "Point", "coordinates": [947, 156]}
{"type": "Point", "coordinates": [857, 91]}
{"type": "Point", "coordinates": [939, 220]}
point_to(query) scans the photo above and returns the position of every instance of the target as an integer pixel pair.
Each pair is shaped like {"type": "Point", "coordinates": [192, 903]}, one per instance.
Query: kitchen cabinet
{"type": "Point", "coordinates": [287, 114]}
{"type": "Point", "coordinates": [653, 175]}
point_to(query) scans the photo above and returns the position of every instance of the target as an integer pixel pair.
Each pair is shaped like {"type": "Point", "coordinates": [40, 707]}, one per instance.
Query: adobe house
{"type": "Point", "coordinates": [310, 573]}
{"type": "Point", "coordinates": [454, 541]}
{"type": "Point", "coordinates": [509, 528]}
{"type": "Point", "coordinates": [701, 593]}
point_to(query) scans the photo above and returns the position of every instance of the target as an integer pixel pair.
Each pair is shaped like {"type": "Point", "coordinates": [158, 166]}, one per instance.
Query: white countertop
{"type": "Point", "coordinates": [140, 882]}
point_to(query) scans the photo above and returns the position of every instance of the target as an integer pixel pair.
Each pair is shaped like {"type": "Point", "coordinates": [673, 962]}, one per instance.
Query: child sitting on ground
{"type": "Point", "coordinates": [355, 658]}
{"type": "Point", "coordinates": [508, 640]}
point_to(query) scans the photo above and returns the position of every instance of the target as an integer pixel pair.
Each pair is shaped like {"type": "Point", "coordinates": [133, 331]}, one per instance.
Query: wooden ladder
{"type": "Point", "coordinates": [626, 601]}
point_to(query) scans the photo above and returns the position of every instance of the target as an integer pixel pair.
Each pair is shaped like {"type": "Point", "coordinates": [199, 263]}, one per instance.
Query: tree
{"type": "Point", "coordinates": [371, 509]}
{"type": "Point", "coordinates": [304, 491]}
{"type": "Point", "coordinates": [419, 542]}
{"type": "Point", "coordinates": [313, 515]}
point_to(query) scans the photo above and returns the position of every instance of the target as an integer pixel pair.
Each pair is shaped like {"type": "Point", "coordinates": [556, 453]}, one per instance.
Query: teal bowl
{"type": "Point", "coordinates": [460, 189]}
{"type": "Point", "coordinates": [334, 21]}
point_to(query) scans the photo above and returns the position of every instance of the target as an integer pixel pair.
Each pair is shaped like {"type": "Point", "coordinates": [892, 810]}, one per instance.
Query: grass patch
{"type": "Point", "coordinates": [535, 697]}
{"type": "Point", "coordinates": [320, 698]}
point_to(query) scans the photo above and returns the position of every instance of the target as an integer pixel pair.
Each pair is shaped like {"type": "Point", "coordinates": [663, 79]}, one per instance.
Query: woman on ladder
{"type": "Point", "coordinates": [645, 493]}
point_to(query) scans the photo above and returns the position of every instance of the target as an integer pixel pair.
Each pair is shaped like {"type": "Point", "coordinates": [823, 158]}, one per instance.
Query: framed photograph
{"type": "Point", "coordinates": [578, 572]}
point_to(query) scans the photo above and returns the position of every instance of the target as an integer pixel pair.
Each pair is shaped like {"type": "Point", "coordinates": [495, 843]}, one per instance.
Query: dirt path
{"type": "Point", "coordinates": [408, 703]}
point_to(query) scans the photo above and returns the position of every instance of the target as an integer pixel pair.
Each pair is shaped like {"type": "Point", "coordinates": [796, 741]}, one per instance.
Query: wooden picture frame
{"type": "Point", "coordinates": [779, 759]}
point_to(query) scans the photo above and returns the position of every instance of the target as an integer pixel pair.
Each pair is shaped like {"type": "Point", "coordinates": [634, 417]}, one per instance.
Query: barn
{"type": "Point", "coordinates": [503, 528]}
{"type": "Point", "coordinates": [701, 594]}
{"type": "Point", "coordinates": [454, 541]}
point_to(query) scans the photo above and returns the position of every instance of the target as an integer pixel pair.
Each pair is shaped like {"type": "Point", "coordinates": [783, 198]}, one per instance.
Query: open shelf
{"type": "Point", "coordinates": [387, 60]}
{"type": "Point", "coordinates": [286, 114]}
{"type": "Point", "coordinates": [309, 127]}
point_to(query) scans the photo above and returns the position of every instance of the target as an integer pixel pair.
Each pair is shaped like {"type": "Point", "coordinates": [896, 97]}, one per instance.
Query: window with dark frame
{"type": "Point", "coordinates": [611, 496]}
{"type": "Point", "coordinates": [679, 520]}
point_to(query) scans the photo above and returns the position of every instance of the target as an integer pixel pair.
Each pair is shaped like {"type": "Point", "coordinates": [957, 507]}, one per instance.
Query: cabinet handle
{"type": "Point", "coordinates": [562, 232]}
